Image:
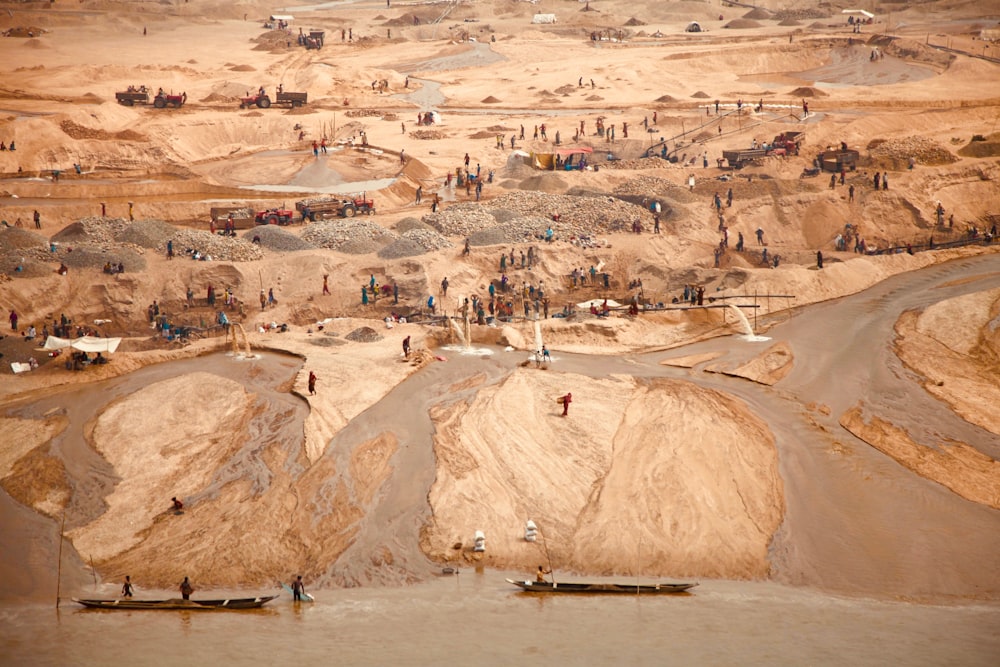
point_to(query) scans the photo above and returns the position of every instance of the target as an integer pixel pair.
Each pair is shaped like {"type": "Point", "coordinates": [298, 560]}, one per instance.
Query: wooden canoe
{"type": "Point", "coordinates": [633, 589]}
{"type": "Point", "coordinates": [193, 605]}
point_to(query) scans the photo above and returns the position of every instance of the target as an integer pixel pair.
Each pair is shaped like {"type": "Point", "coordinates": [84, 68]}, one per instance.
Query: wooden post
{"type": "Point", "coordinates": [62, 527]}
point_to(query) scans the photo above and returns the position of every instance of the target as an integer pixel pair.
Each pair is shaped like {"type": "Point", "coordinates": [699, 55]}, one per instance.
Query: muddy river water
{"type": "Point", "coordinates": [476, 616]}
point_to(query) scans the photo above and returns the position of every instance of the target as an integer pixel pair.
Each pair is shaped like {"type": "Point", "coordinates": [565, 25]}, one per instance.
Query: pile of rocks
{"type": "Point", "coordinates": [637, 163]}
{"type": "Point", "coordinates": [95, 256]}
{"type": "Point", "coordinates": [461, 219]}
{"type": "Point", "coordinates": [363, 113]}
{"type": "Point", "coordinates": [93, 230]}
{"type": "Point", "coordinates": [219, 248]}
{"type": "Point", "coordinates": [520, 230]}
{"type": "Point", "coordinates": [895, 153]}
{"type": "Point", "coordinates": [415, 242]}
{"type": "Point", "coordinates": [579, 215]}
{"type": "Point", "coordinates": [648, 186]}
{"type": "Point", "coordinates": [337, 234]}
{"type": "Point", "coordinates": [12, 238]}
{"type": "Point", "coordinates": [364, 335]}
{"type": "Point", "coordinates": [276, 238]}
{"type": "Point", "coordinates": [147, 233]}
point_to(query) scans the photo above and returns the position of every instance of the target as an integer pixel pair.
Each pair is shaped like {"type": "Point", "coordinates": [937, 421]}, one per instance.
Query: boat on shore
{"type": "Point", "coordinates": [193, 605]}
{"type": "Point", "coordinates": [582, 587]}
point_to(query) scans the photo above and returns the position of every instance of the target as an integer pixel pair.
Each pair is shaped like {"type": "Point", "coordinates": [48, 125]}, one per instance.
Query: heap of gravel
{"type": "Point", "coordinates": [520, 230]}
{"type": "Point", "coordinates": [95, 256]}
{"type": "Point", "coordinates": [348, 235]}
{"type": "Point", "coordinates": [92, 229]}
{"type": "Point", "coordinates": [407, 224]}
{"type": "Point", "coordinates": [461, 219]}
{"type": "Point", "coordinates": [219, 248]}
{"type": "Point", "coordinates": [273, 237]}
{"type": "Point", "coordinates": [502, 215]}
{"type": "Point", "coordinates": [147, 234]}
{"type": "Point", "coordinates": [415, 242]}
{"type": "Point", "coordinates": [12, 238]}
{"type": "Point", "coordinates": [364, 335]}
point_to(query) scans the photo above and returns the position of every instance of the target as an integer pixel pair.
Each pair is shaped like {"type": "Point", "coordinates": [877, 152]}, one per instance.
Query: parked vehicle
{"type": "Point", "coordinates": [274, 216]}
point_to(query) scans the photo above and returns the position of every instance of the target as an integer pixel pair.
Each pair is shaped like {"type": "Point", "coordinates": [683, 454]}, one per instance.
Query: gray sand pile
{"type": "Point", "coordinates": [364, 335]}
{"type": "Point", "coordinates": [276, 238]}
{"type": "Point", "coordinates": [353, 236]}
{"type": "Point", "coordinates": [12, 238]}
{"type": "Point", "coordinates": [95, 256]}
{"type": "Point", "coordinates": [147, 234]}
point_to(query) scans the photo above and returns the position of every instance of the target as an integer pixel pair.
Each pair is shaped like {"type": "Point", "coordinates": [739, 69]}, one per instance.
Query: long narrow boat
{"type": "Point", "coordinates": [634, 589]}
{"type": "Point", "coordinates": [193, 605]}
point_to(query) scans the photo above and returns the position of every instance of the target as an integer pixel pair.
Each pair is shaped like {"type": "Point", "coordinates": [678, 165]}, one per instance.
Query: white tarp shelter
{"type": "Point", "coordinates": [85, 344]}
{"type": "Point", "coordinates": [597, 303]}
{"type": "Point", "coordinates": [867, 15]}
{"type": "Point", "coordinates": [693, 26]}
{"type": "Point", "coordinates": [282, 17]}
{"type": "Point", "coordinates": [543, 18]}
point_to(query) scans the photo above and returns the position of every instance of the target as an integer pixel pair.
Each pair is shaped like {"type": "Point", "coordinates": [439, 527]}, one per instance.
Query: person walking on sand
{"type": "Point", "coordinates": [760, 236]}
{"type": "Point", "coordinates": [406, 347]}
{"type": "Point", "coordinates": [127, 587]}
{"type": "Point", "coordinates": [565, 400]}
{"type": "Point", "coordinates": [444, 287]}
{"type": "Point", "coordinates": [13, 320]}
{"type": "Point", "coordinates": [263, 300]}
{"type": "Point", "coordinates": [312, 383]}
{"type": "Point", "coordinates": [186, 589]}
{"type": "Point", "coordinates": [326, 286]}
{"type": "Point", "coordinates": [819, 259]}
{"type": "Point", "coordinates": [176, 505]}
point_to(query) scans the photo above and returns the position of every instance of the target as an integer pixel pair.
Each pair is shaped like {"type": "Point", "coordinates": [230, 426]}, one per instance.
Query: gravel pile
{"type": "Point", "coordinates": [580, 214]}
{"type": "Point", "coordinates": [147, 234]}
{"type": "Point", "coordinates": [96, 255]}
{"type": "Point", "coordinates": [12, 238]}
{"type": "Point", "coordinates": [337, 234]}
{"type": "Point", "coordinates": [415, 242]}
{"type": "Point", "coordinates": [895, 153]}
{"type": "Point", "coordinates": [637, 163]}
{"type": "Point", "coordinates": [219, 248]}
{"type": "Point", "coordinates": [276, 238]}
{"type": "Point", "coordinates": [93, 230]}
{"type": "Point", "coordinates": [651, 186]}
{"type": "Point", "coordinates": [407, 224]}
{"type": "Point", "coordinates": [520, 230]}
{"type": "Point", "coordinates": [461, 219]}
{"type": "Point", "coordinates": [364, 335]}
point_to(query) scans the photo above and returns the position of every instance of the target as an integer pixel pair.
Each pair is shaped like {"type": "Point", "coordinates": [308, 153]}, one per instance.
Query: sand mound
{"type": "Point", "coordinates": [216, 97]}
{"type": "Point", "coordinates": [489, 100]}
{"type": "Point", "coordinates": [700, 95]}
{"type": "Point", "coordinates": [806, 91]}
{"type": "Point", "coordinates": [742, 24]}
{"type": "Point", "coordinates": [12, 238]}
{"type": "Point", "coordinates": [595, 98]}
{"type": "Point", "coordinates": [790, 22]}
{"type": "Point", "coordinates": [989, 147]}
{"type": "Point", "coordinates": [243, 68]}
{"type": "Point", "coordinates": [551, 183]}
{"type": "Point", "coordinates": [759, 13]}
{"type": "Point", "coordinates": [634, 22]}
{"type": "Point", "coordinates": [895, 153]}
{"type": "Point", "coordinates": [665, 99]}
{"type": "Point", "coordinates": [364, 335]}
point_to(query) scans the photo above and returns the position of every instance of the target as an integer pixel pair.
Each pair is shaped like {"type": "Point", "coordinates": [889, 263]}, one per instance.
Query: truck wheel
{"type": "Point", "coordinates": [128, 103]}
{"type": "Point", "coordinates": [272, 219]}
{"type": "Point", "coordinates": [312, 217]}
{"type": "Point", "coordinates": [296, 104]}
{"type": "Point", "coordinates": [349, 211]}
{"type": "Point", "coordinates": [264, 102]}
{"type": "Point", "coordinates": [159, 103]}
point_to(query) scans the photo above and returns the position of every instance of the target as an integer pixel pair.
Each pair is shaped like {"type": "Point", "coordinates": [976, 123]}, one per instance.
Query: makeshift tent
{"type": "Point", "coordinates": [598, 303]}
{"type": "Point", "coordinates": [85, 344]}
{"type": "Point", "coordinates": [693, 26]}
{"type": "Point", "coordinates": [282, 17]}
{"type": "Point", "coordinates": [543, 18]}
{"type": "Point", "coordinates": [867, 15]}
{"type": "Point", "coordinates": [548, 160]}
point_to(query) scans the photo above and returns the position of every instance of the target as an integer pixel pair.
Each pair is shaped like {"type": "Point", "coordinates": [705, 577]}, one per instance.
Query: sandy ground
{"type": "Point", "coordinates": [395, 461]}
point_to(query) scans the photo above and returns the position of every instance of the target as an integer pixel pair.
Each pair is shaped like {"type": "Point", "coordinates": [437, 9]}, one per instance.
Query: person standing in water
{"type": "Point", "coordinates": [298, 589]}
{"type": "Point", "coordinates": [186, 589]}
